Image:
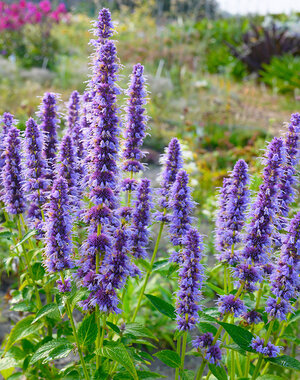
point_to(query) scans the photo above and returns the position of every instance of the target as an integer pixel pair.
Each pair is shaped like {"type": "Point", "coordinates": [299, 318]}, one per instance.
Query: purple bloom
{"type": "Point", "coordinates": [181, 204]}
{"type": "Point", "coordinates": [285, 280]}
{"type": "Point", "coordinates": [66, 168]}
{"type": "Point", "coordinates": [228, 304]}
{"type": "Point", "coordinates": [49, 122]}
{"type": "Point", "coordinates": [249, 275]}
{"type": "Point", "coordinates": [190, 281]}
{"type": "Point", "coordinates": [58, 228]}
{"type": "Point", "coordinates": [203, 341]}
{"type": "Point", "coordinates": [278, 308]}
{"type": "Point", "coordinates": [104, 27]}
{"type": "Point", "coordinates": [7, 121]}
{"type": "Point", "coordinates": [35, 173]}
{"type": "Point", "coordinates": [135, 131]}
{"type": "Point", "coordinates": [231, 218]}
{"type": "Point", "coordinates": [141, 219]}
{"type": "Point", "coordinates": [288, 180]}
{"type": "Point", "coordinates": [12, 176]}
{"type": "Point", "coordinates": [214, 354]}
{"type": "Point", "coordinates": [173, 162]}
{"type": "Point", "coordinates": [252, 317]}
{"type": "Point", "coordinates": [64, 287]}
{"type": "Point", "coordinates": [269, 349]}
{"type": "Point", "coordinates": [260, 230]}
{"type": "Point", "coordinates": [73, 111]}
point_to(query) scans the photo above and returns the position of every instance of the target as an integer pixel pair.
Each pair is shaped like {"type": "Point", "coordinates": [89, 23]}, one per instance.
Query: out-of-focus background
{"type": "Point", "coordinates": [223, 74]}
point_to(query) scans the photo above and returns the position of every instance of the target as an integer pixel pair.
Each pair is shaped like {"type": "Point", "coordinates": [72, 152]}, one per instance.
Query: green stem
{"type": "Point", "coordinates": [70, 315]}
{"type": "Point", "coordinates": [148, 272]}
{"type": "Point", "coordinates": [178, 352]}
{"type": "Point", "coordinates": [232, 366]}
{"type": "Point", "coordinates": [201, 370]}
{"type": "Point", "coordinates": [259, 294]}
{"type": "Point", "coordinates": [183, 350]}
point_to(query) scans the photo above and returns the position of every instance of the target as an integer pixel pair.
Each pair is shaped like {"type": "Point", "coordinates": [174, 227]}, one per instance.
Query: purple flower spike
{"type": "Point", "coordinates": [203, 341]}
{"type": "Point", "coordinates": [214, 354]}
{"type": "Point", "coordinates": [278, 308]}
{"type": "Point", "coordinates": [12, 178]}
{"type": "Point", "coordinates": [252, 317]}
{"type": "Point", "coordinates": [173, 162]}
{"type": "Point", "coordinates": [231, 219]}
{"type": "Point", "coordinates": [135, 131]}
{"type": "Point", "coordinates": [66, 287]}
{"type": "Point", "coordinates": [104, 27]}
{"type": "Point", "coordinates": [181, 204]}
{"type": "Point", "coordinates": [141, 219]}
{"type": "Point", "coordinates": [66, 168]}
{"type": "Point", "coordinates": [35, 173]}
{"type": "Point", "coordinates": [73, 110]}
{"type": "Point", "coordinates": [261, 228]}
{"type": "Point", "coordinates": [104, 152]}
{"type": "Point", "coordinates": [285, 282]}
{"type": "Point", "coordinates": [58, 227]}
{"type": "Point", "coordinates": [7, 121]}
{"type": "Point", "coordinates": [288, 179]}
{"type": "Point", "coordinates": [190, 281]}
{"type": "Point", "coordinates": [115, 270]}
{"type": "Point", "coordinates": [49, 123]}
{"type": "Point", "coordinates": [269, 349]}
{"type": "Point", "coordinates": [229, 305]}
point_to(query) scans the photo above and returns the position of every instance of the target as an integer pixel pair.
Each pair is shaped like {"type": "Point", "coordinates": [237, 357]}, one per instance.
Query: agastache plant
{"type": "Point", "coordinates": [94, 286]}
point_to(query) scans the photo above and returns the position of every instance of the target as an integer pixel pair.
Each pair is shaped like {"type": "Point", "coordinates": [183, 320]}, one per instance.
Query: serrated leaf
{"type": "Point", "coordinates": [60, 352]}
{"type": "Point", "coordinates": [239, 335]}
{"type": "Point", "coordinates": [295, 317]}
{"type": "Point", "coordinates": [38, 271]}
{"type": "Point", "coordinates": [25, 238]}
{"type": "Point", "coordinates": [170, 358]}
{"type": "Point", "coordinates": [149, 375]}
{"type": "Point", "coordinates": [116, 351]}
{"type": "Point", "coordinates": [236, 348]}
{"type": "Point", "coordinates": [114, 327]}
{"type": "Point", "coordinates": [51, 311]}
{"type": "Point", "coordinates": [23, 306]}
{"type": "Point", "coordinates": [21, 330]}
{"type": "Point", "coordinates": [218, 371]}
{"type": "Point", "coordinates": [204, 316]}
{"type": "Point", "coordinates": [215, 288]}
{"type": "Point", "coordinates": [145, 264]}
{"type": "Point", "coordinates": [269, 377]}
{"type": "Point", "coordinates": [160, 264]}
{"type": "Point", "coordinates": [286, 362]}
{"type": "Point", "coordinates": [44, 352]}
{"type": "Point", "coordinates": [139, 331]}
{"type": "Point", "coordinates": [187, 374]}
{"type": "Point", "coordinates": [162, 306]}
{"type": "Point", "coordinates": [88, 330]}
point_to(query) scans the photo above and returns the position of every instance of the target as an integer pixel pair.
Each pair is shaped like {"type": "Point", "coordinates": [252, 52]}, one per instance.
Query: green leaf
{"type": "Point", "coordinates": [170, 358]}
{"type": "Point", "coordinates": [45, 351]}
{"type": "Point", "coordinates": [145, 264]}
{"type": "Point", "coordinates": [51, 311]}
{"type": "Point", "coordinates": [60, 352]}
{"type": "Point", "coordinates": [21, 330]}
{"type": "Point", "coordinates": [207, 327]}
{"type": "Point", "coordinates": [295, 317]}
{"type": "Point", "coordinates": [38, 271]}
{"type": "Point", "coordinates": [236, 348]}
{"type": "Point", "coordinates": [218, 371]}
{"type": "Point", "coordinates": [149, 375]}
{"type": "Point", "coordinates": [269, 377]}
{"type": "Point", "coordinates": [25, 238]}
{"type": "Point", "coordinates": [239, 335]}
{"type": "Point", "coordinates": [7, 362]}
{"type": "Point", "coordinates": [116, 351]}
{"type": "Point", "coordinates": [5, 234]}
{"type": "Point", "coordinates": [215, 288]}
{"type": "Point", "coordinates": [160, 264]}
{"type": "Point", "coordinates": [139, 331]}
{"type": "Point", "coordinates": [88, 330]}
{"type": "Point", "coordinates": [114, 327]}
{"type": "Point", "coordinates": [286, 362]}
{"type": "Point", "coordinates": [187, 375]}
{"type": "Point", "coordinates": [162, 306]}
{"type": "Point", "coordinates": [23, 306]}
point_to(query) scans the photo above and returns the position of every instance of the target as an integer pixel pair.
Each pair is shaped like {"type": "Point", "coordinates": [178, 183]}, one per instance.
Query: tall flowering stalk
{"type": "Point", "coordinates": [288, 180]}
{"type": "Point", "coordinates": [73, 110]}
{"type": "Point", "coordinates": [7, 120]}
{"type": "Point", "coordinates": [12, 175]}
{"type": "Point", "coordinates": [35, 173]}
{"type": "Point", "coordinates": [232, 214]}
{"type": "Point", "coordinates": [259, 232]}
{"type": "Point", "coordinates": [49, 117]}
{"type": "Point", "coordinates": [66, 168]}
